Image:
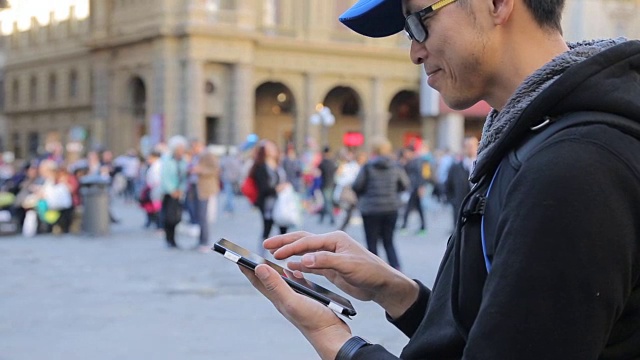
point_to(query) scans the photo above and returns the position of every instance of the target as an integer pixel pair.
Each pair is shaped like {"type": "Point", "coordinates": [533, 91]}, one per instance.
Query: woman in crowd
{"type": "Point", "coordinates": [270, 179]}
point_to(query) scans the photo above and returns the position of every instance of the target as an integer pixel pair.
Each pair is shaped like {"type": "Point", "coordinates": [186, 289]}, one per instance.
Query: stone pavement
{"type": "Point", "coordinates": [126, 296]}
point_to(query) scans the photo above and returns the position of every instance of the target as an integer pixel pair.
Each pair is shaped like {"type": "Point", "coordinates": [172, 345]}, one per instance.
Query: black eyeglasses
{"type": "Point", "coordinates": [414, 26]}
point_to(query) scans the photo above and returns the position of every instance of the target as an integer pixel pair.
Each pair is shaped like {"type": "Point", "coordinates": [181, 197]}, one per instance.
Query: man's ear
{"type": "Point", "coordinates": [502, 10]}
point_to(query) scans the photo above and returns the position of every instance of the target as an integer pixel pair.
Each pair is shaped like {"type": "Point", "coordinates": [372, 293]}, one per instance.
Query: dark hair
{"type": "Point", "coordinates": [547, 13]}
{"type": "Point", "coordinates": [259, 156]}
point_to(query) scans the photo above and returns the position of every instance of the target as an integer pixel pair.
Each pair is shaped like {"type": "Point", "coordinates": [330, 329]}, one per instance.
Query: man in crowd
{"type": "Point", "coordinates": [544, 261]}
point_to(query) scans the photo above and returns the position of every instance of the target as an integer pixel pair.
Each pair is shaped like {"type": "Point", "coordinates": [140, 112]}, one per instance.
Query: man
{"type": "Point", "coordinates": [327, 168]}
{"type": "Point", "coordinates": [208, 186]}
{"type": "Point", "coordinates": [191, 197]}
{"type": "Point", "coordinates": [457, 184]}
{"type": "Point", "coordinates": [559, 277]}
{"type": "Point", "coordinates": [230, 173]}
{"type": "Point", "coordinates": [413, 168]}
{"type": "Point", "coordinates": [173, 184]}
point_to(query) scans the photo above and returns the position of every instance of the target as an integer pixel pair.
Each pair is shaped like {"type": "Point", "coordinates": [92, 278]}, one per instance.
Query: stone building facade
{"type": "Point", "coordinates": [134, 72]}
{"type": "Point", "coordinates": [215, 70]}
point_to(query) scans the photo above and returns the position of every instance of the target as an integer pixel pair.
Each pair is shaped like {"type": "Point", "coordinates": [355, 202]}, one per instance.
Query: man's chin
{"type": "Point", "coordinates": [457, 103]}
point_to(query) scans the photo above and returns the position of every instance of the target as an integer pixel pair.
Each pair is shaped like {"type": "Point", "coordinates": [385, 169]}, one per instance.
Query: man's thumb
{"type": "Point", "coordinates": [268, 277]}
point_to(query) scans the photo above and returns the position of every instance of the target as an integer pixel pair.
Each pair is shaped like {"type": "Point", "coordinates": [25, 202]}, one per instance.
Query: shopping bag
{"type": "Point", "coordinates": [172, 209]}
{"type": "Point", "coordinates": [30, 224]}
{"type": "Point", "coordinates": [287, 210]}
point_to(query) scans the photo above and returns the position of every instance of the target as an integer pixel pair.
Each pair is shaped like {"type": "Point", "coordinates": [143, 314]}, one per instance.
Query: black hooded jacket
{"type": "Point", "coordinates": [564, 282]}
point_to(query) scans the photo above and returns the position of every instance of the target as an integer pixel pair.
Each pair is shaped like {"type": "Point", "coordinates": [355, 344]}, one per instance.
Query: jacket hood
{"type": "Point", "coordinates": [608, 81]}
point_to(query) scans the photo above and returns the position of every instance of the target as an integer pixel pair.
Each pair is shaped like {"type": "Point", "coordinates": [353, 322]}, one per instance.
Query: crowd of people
{"type": "Point", "coordinates": [185, 176]}
{"type": "Point", "coordinates": [381, 184]}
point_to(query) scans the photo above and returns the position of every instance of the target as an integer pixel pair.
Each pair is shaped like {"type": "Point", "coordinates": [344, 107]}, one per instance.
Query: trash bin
{"type": "Point", "coordinates": [94, 190]}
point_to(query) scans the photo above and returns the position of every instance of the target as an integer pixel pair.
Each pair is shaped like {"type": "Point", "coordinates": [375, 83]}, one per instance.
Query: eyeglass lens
{"type": "Point", "coordinates": [415, 28]}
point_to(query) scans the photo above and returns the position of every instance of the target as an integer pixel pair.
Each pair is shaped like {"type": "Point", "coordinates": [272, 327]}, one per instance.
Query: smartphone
{"type": "Point", "coordinates": [246, 258]}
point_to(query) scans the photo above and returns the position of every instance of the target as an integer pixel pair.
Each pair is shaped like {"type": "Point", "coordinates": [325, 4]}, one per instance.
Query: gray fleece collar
{"type": "Point", "coordinates": [498, 121]}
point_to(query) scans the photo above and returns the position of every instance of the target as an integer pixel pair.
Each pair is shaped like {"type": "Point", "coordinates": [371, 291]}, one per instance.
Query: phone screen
{"type": "Point", "coordinates": [312, 289]}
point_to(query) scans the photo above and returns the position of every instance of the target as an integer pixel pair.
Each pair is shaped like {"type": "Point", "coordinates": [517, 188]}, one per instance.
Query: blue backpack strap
{"type": "Point", "coordinates": [548, 128]}
{"type": "Point", "coordinates": [487, 261]}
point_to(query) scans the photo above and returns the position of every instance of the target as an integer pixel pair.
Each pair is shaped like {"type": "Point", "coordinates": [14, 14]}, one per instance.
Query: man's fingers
{"type": "Point", "coordinates": [278, 241]}
{"type": "Point", "coordinates": [322, 261]}
{"type": "Point", "coordinates": [296, 266]}
{"type": "Point", "coordinates": [309, 243]}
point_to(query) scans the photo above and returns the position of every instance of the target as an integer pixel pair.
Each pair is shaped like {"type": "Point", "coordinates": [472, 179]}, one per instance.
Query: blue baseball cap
{"type": "Point", "coordinates": [375, 18]}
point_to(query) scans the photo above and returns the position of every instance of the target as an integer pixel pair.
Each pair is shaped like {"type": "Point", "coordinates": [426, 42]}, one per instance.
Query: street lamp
{"type": "Point", "coordinates": [324, 117]}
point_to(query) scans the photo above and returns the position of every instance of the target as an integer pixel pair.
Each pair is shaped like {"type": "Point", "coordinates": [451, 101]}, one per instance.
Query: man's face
{"type": "Point", "coordinates": [456, 56]}
{"type": "Point", "coordinates": [197, 147]}
{"type": "Point", "coordinates": [179, 151]}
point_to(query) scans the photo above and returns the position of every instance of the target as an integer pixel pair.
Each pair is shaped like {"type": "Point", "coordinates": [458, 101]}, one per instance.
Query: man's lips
{"type": "Point", "coordinates": [432, 71]}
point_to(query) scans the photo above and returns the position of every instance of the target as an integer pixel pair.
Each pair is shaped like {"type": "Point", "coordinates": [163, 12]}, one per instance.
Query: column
{"type": "Point", "coordinates": [99, 18]}
{"type": "Point", "coordinates": [308, 108]}
{"type": "Point", "coordinates": [376, 122]}
{"type": "Point", "coordinates": [242, 103]}
{"type": "Point", "coordinates": [451, 131]}
{"type": "Point", "coordinates": [194, 101]}
{"type": "Point", "coordinates": [321, 19]}
{"type": "Point", "coordinates": [247, 13]}
{"type": "Point", "coordinates": [101, 98]}
{"type": "Point", "coordinates": [164, 93]}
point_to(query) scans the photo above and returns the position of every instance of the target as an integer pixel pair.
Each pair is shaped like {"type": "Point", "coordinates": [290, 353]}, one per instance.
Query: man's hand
{"type": "Point", "coordinates": [322, 328]}
{"type": "Point", "coordinates": [349, 266]}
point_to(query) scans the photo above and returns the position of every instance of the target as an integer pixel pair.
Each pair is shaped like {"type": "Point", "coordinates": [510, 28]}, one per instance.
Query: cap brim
{"type": "Point", "coordinates": [375, 18]}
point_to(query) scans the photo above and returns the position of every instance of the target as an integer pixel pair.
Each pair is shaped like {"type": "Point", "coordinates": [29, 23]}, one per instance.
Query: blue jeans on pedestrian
{"type": "Point", "coordinates": [203, 206]}
{"type": "Point", "coordinates": [191, 203]}
{"type": "Point", "coordinates": [229, 196]}
{"type": "Point", "coordinates": [327, 208]}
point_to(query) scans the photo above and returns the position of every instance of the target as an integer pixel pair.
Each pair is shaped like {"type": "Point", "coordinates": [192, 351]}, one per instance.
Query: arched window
{"type": "Point", "coordinates": [138, 98]}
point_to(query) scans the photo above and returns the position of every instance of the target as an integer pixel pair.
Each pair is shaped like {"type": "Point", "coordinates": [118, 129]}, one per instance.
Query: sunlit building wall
{"type": "Point", "coordinates": [132, 72]}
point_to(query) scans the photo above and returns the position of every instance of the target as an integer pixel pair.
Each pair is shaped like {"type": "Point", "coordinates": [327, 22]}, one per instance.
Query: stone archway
{"type": "Point", "coordinates": [404, 121]}
{"type": "Point", "coordinates": [346, 106]}
{"type": "Point", "coordinates": [131, 123]}
{"type": "Point", "coordinates": [138, 106]}
{"type": "Point", "coordinates": [275, 113]}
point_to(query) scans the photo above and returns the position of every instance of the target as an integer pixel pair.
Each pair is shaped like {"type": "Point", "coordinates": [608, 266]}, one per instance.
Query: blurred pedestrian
{"type": "Point", "coordinates": [458, 185]}
{"type": "Point", "coordinates": [270, 178]}
{"type": "Point", "coordinates": [414, 168]}
{"type": "Point", "coordinates": [230, 175]}
{"type": "Point", "coordinates": [346, 175]}
{"type": "Point", "coordinates": [173, 184]}
{"type": "Point", "coordinates": [191, 197]}
{"type": "Point", "coordinates": [327, 168]}
{"type": "Point", "coordinates": [293, 168]}
{"type": "Point", "coordinates": [378, 186]}
{"type": "Point", "coordinates": [207, 169]}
